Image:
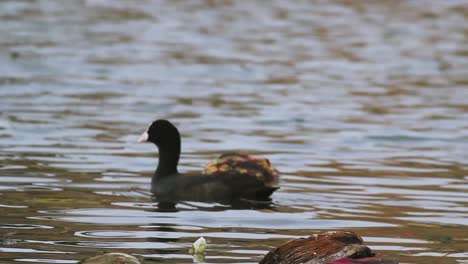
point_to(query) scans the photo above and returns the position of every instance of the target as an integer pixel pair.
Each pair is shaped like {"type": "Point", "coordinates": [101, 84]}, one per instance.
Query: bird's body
{"type": "Point", "coordinates": [228, 178]}
{"type": "Point", "coordinates": [209, 187]}
{"type": "Point", "coordinates": [333, 247]}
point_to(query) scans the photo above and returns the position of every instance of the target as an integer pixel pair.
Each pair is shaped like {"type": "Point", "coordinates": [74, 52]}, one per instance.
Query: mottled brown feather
{"type": "Point", "coordinates": [320, 248]}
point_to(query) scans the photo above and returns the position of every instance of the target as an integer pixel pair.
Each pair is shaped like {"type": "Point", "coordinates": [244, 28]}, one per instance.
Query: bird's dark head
{"type": "Point", "coordinates": [162, 133]}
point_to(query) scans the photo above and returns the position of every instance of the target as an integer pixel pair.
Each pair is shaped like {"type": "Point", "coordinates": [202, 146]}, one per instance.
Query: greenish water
{"type": "Point", "coordinates": [362, 106]}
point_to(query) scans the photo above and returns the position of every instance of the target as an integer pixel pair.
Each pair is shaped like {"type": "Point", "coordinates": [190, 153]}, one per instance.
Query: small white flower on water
{"type": "Point", "coordinates": [198, 246]}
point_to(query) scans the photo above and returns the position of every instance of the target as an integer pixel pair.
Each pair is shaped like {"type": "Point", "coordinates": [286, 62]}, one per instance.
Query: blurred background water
{"type": "Point", "coordinates": [362, 106]}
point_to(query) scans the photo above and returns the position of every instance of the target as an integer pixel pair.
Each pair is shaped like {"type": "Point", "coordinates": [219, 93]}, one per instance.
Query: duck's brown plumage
{"type": "Point", "coordinates": [235, 163]}
{"type": "Point", "coordinates": [337, 247]}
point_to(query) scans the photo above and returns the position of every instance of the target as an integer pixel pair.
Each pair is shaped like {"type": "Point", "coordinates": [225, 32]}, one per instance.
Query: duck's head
{"type": "Point", "coordinates": [162, 133]}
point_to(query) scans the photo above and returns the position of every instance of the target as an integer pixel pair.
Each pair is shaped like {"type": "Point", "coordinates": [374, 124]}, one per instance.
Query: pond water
{"type": "Point", "coordinates": [362, 106]}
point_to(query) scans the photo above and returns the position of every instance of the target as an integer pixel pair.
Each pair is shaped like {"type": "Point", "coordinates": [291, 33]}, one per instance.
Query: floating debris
{"type": "Point", "coordinates": [198, 247]}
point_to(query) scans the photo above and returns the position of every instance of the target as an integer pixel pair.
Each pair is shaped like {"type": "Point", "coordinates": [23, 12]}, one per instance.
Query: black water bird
{"type": "Point", "coordinates": [230, 177]}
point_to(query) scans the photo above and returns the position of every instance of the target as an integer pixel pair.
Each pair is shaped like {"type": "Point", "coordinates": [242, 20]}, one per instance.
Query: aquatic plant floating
{"type": "Point", "coordinates": [198, 247]}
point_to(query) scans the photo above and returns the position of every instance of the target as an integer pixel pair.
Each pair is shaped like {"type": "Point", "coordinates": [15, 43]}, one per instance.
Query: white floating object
{"type": "Point", "coordinates": [198, 247]}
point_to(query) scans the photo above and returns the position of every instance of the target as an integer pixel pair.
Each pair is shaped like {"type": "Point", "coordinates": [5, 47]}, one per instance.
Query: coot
{"type": "Point", "coordinates": [230, 177]}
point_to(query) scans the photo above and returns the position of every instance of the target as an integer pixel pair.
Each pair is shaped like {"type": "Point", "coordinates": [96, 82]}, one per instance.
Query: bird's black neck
{"type": "Point", "coordinates": [168, 160]}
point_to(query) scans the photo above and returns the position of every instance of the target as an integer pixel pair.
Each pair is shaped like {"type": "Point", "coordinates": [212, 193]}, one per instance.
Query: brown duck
{"type": "Point", "coordinates": [333, 247]}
